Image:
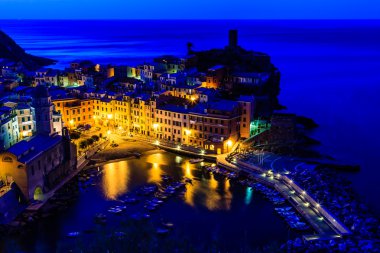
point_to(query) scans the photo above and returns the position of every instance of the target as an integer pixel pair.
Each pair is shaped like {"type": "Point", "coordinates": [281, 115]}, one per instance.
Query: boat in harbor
{"type": "Point", "coordinates": [100, 218]}
{"type": "Point", "coordinates": [73, 234]}
{"type": "Point", "coordinates": [198, 160]}
{"type": "Point", "coordinates": [162, 231]}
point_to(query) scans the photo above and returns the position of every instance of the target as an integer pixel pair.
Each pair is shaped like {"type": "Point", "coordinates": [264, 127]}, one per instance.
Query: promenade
{"type": "Point", "coordinates": [320, 219]}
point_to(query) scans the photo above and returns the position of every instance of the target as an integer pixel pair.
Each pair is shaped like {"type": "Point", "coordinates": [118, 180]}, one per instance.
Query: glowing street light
{"type": "Point", "coordinates": [229, 145]}
{"type": "Point", "coordinates": [109, 116]}
{"type": "Point", "coordinates": [155, 126]}
{"type": "Point", "coordinates": [109, 132]}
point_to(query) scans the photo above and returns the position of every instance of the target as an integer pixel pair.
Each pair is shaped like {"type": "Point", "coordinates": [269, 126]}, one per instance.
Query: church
{"type": "Point", "coordinates": [36, 165]}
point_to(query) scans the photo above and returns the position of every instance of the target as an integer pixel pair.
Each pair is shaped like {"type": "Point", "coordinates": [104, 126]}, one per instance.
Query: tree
{"type": "Point", "coordinates": [74, 135]}
{"type": "Point", "coordinates": [83, 144]}
{"type": "Point", "coordinates": [95, 138]}
{"type": "Point", "coordinates": [90, 141]}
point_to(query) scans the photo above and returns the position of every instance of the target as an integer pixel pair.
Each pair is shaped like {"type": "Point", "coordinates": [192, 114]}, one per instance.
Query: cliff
{"type": "Point", "coordinates": [9, 50]}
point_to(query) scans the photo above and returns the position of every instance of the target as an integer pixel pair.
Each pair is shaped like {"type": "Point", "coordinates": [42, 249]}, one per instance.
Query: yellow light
{"type": "Point", "coordinates": [179, 147]}
{"type": "Point", "coordinates": [155, 126]}
{"type": "Point", "coordinates": [187, 132]}
{"type": "Point", "coordinates": [229, 143]}
{"type": "Point", "coordinates": [109, 116]}
{"type": "Point", "coordinates": [157, 143]}
{"type": "Point", "coordinates": [109, 132]}
{"type": "Point", "coordinates": [192, 99]}
{"type": "Point", "coordinates": [71, 122]}
{"type": "Point", "coordinates": [24, 133]}
{"type": "Point", "coordinates": [94, 117]}
{"type": "Point", "coordinates": [318, 205]}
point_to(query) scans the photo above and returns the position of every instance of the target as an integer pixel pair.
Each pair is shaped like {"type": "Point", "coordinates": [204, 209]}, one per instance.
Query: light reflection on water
{"type": "Point", "coordinates": [213, 194]}
{"type": "Point", "coordinates": [248, 196]}
{"type": "Point", "coordinates": [205, 211]}
{"type": "Point", "coordinates": [115, 179]}
{"type": "Point", "coordinates": [208, 192]}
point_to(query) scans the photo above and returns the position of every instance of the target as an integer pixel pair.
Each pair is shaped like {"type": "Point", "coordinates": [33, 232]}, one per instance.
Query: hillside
{"type": "Point", "coordinates": [11, 51]}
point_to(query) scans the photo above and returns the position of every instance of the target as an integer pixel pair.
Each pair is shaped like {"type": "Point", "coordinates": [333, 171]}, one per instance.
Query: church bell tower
{"type": "Point", "coordinates": [43, 108]}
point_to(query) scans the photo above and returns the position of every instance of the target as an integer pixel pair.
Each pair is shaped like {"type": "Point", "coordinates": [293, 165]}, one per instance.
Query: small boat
{"type": "Point", "coordinates": [130, 200]}
{"type": "Point", "coordinates": [198, 160]}
{"type": "Point", "coordinates": [150, 207]}
{"type": "Point", "coordinates": [73, 234]}
{"type": "Point", "coordinates": [115, 210]}
{"type": "Point", "coordinates": [136, 154]}
{"type": "Point", "coordinates": [100, 218]}
{"type": "Point", "coordinates": [162, 231]}
{"type": "Point", "coordinates": [168, 225]}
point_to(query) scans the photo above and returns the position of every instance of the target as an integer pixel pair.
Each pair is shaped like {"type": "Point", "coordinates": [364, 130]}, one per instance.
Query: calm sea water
{"type": "Point", "coordinates": [214, 212]}
{"type": "Point", "coordinates": [330, 69]}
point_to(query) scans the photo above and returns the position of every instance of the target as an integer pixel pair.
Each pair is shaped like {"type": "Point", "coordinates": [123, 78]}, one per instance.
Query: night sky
{"type": "Point", "coordinates": [185, 9]}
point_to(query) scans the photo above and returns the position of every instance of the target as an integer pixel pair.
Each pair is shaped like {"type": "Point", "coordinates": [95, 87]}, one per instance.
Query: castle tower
{"type": "Point", "coordinates": [43, 108]}
{"type": "Point", "coordinates": [233, 38]}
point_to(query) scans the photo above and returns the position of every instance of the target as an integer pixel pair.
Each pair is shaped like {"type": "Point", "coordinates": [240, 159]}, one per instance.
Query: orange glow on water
{"type": "Point", "coordinates": [154, 174]}
{"type": "Point", "coordinates": [190, 188]}
{"type": "Point", "coordinates": [115, 179]}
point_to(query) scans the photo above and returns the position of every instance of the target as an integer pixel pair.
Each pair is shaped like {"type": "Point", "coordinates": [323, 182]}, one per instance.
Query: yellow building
{"type": "Point", "coordinates": [75, 111]}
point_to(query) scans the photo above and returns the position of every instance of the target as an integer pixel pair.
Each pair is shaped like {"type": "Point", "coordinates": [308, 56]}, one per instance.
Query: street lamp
{"type": "Point", "coordinates": [187, 133]}
{"type": "Point", "coordinates": [229, 144]}
{"type": "Point", "coordinates": [155, 128]}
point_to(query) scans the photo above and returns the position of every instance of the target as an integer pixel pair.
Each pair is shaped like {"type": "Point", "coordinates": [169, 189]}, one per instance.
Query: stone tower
{"type": "Point", "coordinates": [43, 108]}
{"type": "Point", "coordinates": [233, 38]}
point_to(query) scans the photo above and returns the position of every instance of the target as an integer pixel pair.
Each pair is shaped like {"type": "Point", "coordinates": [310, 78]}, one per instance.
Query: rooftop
{"type": "Point", "coordinates": [27, 150]}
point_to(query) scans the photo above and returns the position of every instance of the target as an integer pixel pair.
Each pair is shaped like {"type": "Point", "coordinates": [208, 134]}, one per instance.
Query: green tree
{"type": "Point", "coordinates": [83, 144]}
{"type": "Point", "coordinates": [74, 135]}
{"type": "Point", "coordinates": [95, 138]}
{"type": "Point", "coordinates": [90, 141]}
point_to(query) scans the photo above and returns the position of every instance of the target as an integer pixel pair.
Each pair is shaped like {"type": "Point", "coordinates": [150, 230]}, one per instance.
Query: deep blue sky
{"type": "Point", "coordinates": [189, 9]}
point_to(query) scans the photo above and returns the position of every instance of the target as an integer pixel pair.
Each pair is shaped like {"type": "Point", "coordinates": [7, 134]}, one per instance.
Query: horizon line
{"type": "Point", "coordinates": [194, 19]}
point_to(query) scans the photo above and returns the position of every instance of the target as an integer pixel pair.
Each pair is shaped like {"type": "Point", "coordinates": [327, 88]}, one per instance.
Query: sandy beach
{"type": "Point", "coordinates": [127, 147]}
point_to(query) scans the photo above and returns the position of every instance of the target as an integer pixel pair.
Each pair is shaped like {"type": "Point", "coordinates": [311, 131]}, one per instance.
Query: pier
{"type": "Point", "coordinates": [317, 216]}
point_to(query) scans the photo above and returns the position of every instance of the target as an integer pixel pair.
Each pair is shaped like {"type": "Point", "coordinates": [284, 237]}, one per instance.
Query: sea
{"type": "Point", "coordinates": [329, 69]}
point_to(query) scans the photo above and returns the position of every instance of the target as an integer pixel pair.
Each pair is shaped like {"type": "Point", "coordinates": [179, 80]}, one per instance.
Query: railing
{"type": "Point", "coordinates": [334, 223]}
{"type": "Point", "coordinates": [341, 229]}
